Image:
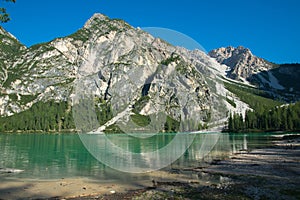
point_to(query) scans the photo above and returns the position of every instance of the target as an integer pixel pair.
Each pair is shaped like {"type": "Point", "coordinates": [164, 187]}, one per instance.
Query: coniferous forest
{"type": "Point", "coordinates": [280, 118]}
{"type": "Point", "coordinates": [42, 116]}
{"type": "Point", "coordinates": [57, 117]}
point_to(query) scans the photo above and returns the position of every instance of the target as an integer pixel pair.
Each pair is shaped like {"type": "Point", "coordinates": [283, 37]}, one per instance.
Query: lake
{"type": "Point", "coordinates": [51, 156]}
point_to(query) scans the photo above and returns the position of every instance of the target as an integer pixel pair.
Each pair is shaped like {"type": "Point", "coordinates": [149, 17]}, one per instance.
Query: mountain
{"type": "Point", "coordinates": [111, 77]}
{"type": "Point", "coordinates": [242, 64]}
{"type": "Point", "coordinates": [278, 80]}
{"type": "Point", "coordinates": [129, 76]}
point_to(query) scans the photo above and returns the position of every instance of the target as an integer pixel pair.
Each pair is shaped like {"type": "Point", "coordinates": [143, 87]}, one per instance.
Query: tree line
{"type": "Point", "coordinates": [42, 116]}
{"type": "Point", "coordinates": [280, 118]}
{"type": "Point", "coordinates": [58, 117]}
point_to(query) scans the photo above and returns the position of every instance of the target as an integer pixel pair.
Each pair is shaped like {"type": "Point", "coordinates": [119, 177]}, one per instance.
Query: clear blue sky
{"type": "Point", "coordinates": [270, 28]}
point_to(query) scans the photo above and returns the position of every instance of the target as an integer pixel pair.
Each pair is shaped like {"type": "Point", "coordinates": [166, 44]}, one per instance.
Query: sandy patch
{"type": "Point", "coordinates": [36, 189]}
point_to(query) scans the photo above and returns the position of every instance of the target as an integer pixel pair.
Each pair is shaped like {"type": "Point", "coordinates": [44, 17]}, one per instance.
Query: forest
{"type": "Point", "coordinates": [43, 116]}
{"type": "Point", "coordinates": [279, 118]}
{"type": "Point", "coordinates": [58, 117]}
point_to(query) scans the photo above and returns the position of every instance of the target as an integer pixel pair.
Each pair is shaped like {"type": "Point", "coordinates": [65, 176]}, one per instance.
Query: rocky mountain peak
{"type": "Point", "coordinates": [99, 25]}
{"type": "Point", "coordinates": [223, 54]}
{"type": "Point", "coordinates": [96, 17]}
{"type": "Point", "coordinates": [243, 49]}
{"type": "Point", "coordinates": [240, 60]}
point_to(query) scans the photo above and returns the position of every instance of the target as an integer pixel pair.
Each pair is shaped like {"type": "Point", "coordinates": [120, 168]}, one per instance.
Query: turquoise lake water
{"type": "Point", "coordinates": [51, 156]}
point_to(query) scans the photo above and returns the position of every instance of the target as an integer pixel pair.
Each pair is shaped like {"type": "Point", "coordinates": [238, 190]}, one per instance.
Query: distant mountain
{"type": "Point", "coordinates": [241, 62]}
{"type": "Point", "coordinates": [279, 80]}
